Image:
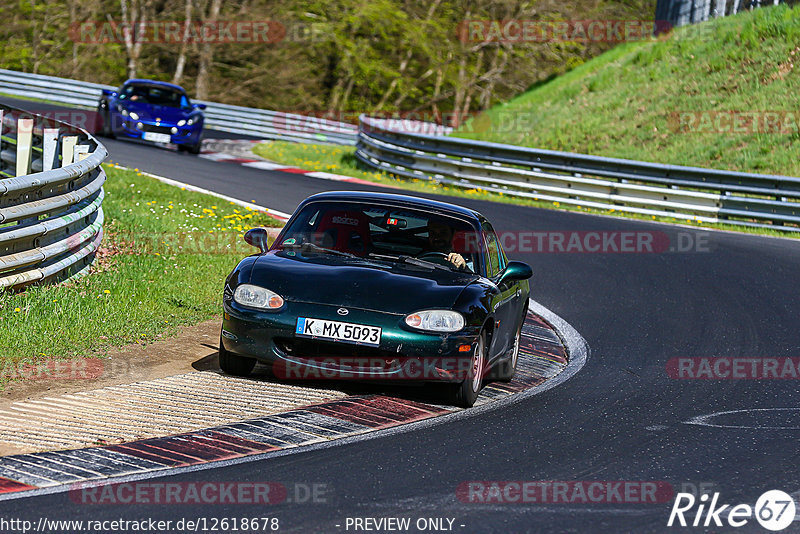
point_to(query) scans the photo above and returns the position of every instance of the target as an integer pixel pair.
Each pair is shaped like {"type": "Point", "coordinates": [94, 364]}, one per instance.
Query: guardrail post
{"type": "Point", "coordinates": [81, 153]}
{"type": "Point", "coordinates": [71, 153]}
{"type": "Point", "coordinates": [68, 150]}
{"type": "Point", "coordinates": [24, 146]}
{"type": "Point", "coordinates": [49, 148]}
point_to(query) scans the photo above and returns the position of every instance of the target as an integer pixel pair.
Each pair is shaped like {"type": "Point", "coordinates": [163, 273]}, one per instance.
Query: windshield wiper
{"type": "Point", "coordinates": [383, 256]}
{"type": "Point", "coordinates": [317, 248]}
{"type": "Point", "coordinates": [411, 260]}
{"type": "Point", "coordinates": [423, 263]}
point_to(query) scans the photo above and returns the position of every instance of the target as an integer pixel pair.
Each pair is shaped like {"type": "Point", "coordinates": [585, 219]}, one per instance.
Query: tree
{"type": "Point", "coordinates": [134, 28]}
{"type": "Point", "coordinates": [187, 22]}
{"type": "Point", "coordinates": [207, 13]}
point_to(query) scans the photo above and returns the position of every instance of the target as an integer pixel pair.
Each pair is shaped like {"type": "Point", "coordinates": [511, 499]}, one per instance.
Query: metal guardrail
{"type": "Point", "coordinates": [237, 119]}
{"type": "Point", "coordinates": [51, 222]}
{"type": "Point", "coordinates": [693, 193]}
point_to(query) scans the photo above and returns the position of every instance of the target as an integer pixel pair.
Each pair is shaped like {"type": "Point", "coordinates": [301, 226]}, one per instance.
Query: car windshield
{"type": "Point", "coordinates": [387, 233]}
{"type": "Point", "coordinates": [154, 95]}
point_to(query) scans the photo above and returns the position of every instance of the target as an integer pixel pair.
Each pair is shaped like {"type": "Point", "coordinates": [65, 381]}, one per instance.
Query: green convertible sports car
{"type": "Point", "coordinates": [368, 286]}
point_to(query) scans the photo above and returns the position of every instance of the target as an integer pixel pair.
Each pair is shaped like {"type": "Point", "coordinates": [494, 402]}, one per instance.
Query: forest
{"type": "Point", "coordinates": [311, 56]}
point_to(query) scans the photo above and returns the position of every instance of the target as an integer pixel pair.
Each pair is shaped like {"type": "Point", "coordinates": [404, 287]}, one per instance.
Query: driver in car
{"type": "Point", "coordinates": [440, 239]}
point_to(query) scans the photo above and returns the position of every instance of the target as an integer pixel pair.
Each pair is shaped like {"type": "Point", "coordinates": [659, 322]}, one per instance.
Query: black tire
{"type": "Point", "coordinates": [195, 148]}
{"type": "Point", "coordinates": [191, 149]}
{"type": "Point", "coordinates": [106, 130]}
{"type": "Point", "coordinates": [506, 369]}
{"type": "Point", "coordinates": [233, 364]}
{"type": "Point", "coordinates": [466, 393]}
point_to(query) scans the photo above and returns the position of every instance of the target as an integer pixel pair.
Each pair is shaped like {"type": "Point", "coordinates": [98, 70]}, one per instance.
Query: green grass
{"type": "Point", "coordinates": [162, 264]}
{"type": "Point", "coordinates": [624, 102]}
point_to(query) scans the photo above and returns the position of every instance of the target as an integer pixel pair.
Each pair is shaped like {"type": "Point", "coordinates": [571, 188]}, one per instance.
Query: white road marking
{"type": "Point", "coordinates": [705, 420]}
{"type": "Point", "coordinates": [266, 165]}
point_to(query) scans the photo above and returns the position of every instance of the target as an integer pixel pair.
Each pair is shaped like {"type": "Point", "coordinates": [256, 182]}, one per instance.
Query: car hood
{"type": "Point", "coordinates": [327, 279]}
{"type": "Point", "coordinates": [150, 112]}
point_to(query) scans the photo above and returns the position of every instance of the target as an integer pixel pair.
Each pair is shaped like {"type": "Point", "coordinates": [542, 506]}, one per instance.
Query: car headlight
{"type": "Point", "coordinates": [122, 110]}
{"type": "Point", "coordinates": [436, 320]}
{"type": "Point", "coordinates": [257, 297]}
{"type": "Point", "coordinates": [190, 121]}
{"type": "Point", "coordinates": [134, 116]}
{"type": "Point", "coordinates": [181, 122]}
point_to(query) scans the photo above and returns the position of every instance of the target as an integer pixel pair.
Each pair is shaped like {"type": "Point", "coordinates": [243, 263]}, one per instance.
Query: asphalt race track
{"type": "Point", "coordinates": [621, 418]}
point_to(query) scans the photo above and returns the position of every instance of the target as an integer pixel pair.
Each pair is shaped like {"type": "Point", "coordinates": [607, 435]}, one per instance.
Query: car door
{"type": "Point", "coordinates": [504, 302]}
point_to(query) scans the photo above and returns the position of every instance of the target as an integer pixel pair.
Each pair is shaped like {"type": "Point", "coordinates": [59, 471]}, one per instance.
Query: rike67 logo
{"type": "Point", "coordinates": [774, 510]}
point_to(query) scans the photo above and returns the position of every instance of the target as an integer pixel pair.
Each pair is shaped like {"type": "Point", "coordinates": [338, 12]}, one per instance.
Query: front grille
{"type": "Point", "coordinates": [314, 349]}
{"type": "Point", "coordinates": [156, 129]}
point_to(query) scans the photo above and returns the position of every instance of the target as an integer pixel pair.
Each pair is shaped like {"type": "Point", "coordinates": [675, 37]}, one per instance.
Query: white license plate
{"type": "Point", "coordinates": [156, 137]}
{"type": "Point", "coordinates": [336, 331]}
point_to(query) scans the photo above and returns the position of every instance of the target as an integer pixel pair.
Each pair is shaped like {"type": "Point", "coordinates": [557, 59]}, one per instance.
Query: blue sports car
{"type": "Point", "coordinates": [153, 111]}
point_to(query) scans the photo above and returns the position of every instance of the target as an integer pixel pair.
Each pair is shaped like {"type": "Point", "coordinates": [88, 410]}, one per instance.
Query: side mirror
{"type": "Point", "coordinates": [199, 106]}
{"type": "Point", "coordinates": [516, 270]}
{"type": "Point", "coordinates": [257, 237]}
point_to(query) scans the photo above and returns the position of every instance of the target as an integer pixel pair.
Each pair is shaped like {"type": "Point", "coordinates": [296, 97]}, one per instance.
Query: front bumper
{"type": "Point", "coordinates": [402, 355]}
{"type": "Point", "coordinates": [183, 135]}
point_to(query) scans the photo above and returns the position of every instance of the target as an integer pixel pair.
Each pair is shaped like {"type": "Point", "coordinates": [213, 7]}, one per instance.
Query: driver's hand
{"type": "Point", "coordinates": [456, 259]}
